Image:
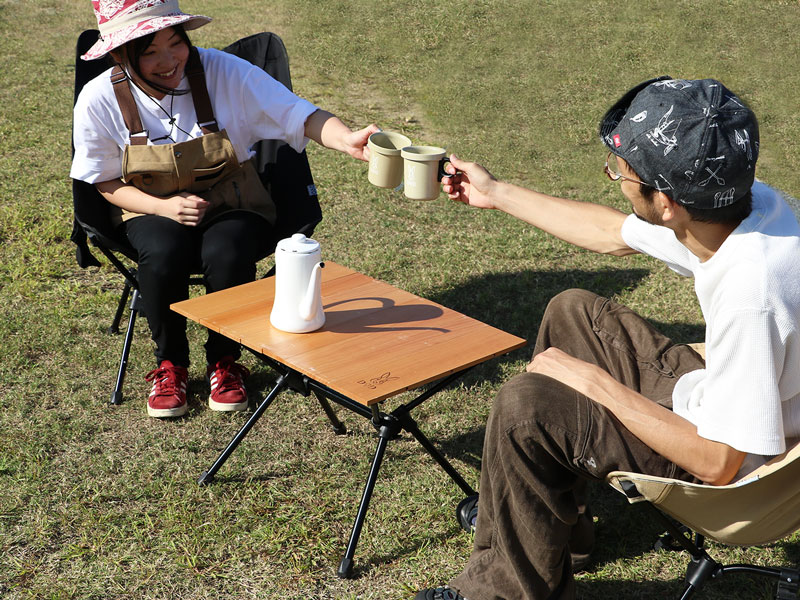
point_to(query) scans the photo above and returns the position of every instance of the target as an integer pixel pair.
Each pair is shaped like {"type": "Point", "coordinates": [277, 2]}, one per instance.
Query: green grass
{"type": "Point", "coordinates": [102, 502]}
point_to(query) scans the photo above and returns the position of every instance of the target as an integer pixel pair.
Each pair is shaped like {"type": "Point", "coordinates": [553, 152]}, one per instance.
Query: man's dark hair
{"type": "Point", "coordinates": [733, 213]}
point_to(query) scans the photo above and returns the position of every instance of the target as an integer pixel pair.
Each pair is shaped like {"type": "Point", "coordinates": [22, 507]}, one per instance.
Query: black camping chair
{"type": "Point", "coordinates": [285, 173]}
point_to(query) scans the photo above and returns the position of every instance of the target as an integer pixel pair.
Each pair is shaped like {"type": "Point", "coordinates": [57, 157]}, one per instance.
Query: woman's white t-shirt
{"type": "Point", "coordinates": [248, 104]}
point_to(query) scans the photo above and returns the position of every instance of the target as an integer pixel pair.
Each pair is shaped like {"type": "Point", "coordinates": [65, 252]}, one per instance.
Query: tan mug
{"type": "Point", "coordinates": [385, 162]}
{"type": "Point", "coordinates": [423, 169]}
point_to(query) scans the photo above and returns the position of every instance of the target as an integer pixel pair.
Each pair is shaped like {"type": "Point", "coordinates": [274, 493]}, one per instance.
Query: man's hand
{"type": "Point", "coordinates": [469, 183]}
{"type": "Point", "coordinates": [578, 374]}
{"type": "Point", "coordinates": [670, 435]}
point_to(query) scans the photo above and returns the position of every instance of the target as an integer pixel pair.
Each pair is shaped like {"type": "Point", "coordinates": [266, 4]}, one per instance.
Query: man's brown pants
{"type": "Point", "coordinates": [544, 440]}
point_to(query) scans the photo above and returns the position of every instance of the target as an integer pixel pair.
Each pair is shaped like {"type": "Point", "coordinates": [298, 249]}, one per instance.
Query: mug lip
{"type": "Point", "coordinates": [398, 140]}
{"type": "Point", "coordinates": [423, 153]}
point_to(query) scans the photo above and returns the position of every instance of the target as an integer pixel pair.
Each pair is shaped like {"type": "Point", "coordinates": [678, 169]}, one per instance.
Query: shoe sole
{"type": "Point", "coordinates": [226, 406]}
{"type": "Point", "coordinates": [160, 413]}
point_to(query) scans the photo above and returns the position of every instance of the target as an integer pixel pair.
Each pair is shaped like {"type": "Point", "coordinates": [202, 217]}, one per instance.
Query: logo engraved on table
{"type": "Point", "coordinates": [374, 382]}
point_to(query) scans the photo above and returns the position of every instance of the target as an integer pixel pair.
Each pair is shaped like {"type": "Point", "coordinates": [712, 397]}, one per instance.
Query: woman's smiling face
{"type": "Point", "coordinates": [164, 60]}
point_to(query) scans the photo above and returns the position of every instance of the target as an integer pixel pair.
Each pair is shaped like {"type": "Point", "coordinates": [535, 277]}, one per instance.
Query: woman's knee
{"type": "Point", "coordinates": [160, 240]}
{"type": "Point", "coordinates": [235, 240]}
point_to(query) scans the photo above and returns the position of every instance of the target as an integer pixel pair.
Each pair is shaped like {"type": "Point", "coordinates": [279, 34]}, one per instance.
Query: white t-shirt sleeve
{"type": "Point", "coordinates": [98, 135]}
{"type": "Point", "coordinates": [251, 105]}
{"type": "Point", "coordinates": [735, 399]}
{"type": "Point", "coordinates": [658, 242]}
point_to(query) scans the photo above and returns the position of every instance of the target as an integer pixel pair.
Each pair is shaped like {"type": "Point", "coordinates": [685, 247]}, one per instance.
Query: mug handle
{"type": "Point", "coordinates": [441, 172]}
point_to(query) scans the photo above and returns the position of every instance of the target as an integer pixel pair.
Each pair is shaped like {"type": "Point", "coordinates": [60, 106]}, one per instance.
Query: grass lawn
{"type": "Point", "coordinates": [102, 502]}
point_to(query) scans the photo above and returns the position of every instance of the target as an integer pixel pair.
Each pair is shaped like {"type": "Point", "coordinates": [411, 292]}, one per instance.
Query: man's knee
{"type": "Point", "coordinates": [570, 302]}
{"type": "Point", "coordinates": [531, 398]}
{"type": "Point", "coordinates": [568, 321]}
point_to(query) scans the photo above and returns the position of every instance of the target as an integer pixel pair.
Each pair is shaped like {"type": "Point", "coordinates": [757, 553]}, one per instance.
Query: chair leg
{"type": "Point", "coordinates": [698, 571]}
{"type": "Point", "coordinates": [702, 566]}
{"type": "Point", "coordinates": [788, 584]}
{"type": "Point", "coordinates": [123, 301]}
{"type": "Point", "coordinates": [116, 395]}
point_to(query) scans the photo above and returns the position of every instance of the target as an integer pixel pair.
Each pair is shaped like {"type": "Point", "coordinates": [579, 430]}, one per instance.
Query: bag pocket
{"type": "Point", "coordinates": [208, 176]}
{"type": "Point", "coordinates": [153, 181]}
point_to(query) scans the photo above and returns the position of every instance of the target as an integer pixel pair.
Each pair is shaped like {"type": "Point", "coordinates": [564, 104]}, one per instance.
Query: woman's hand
{"type": "Point", "coordinates": [356, 143]}
{"type": "Point", "coordinates": [185, 208]}
{"type": "Point", "coordinates": [469, 183]}
{"type": "Point", "coordinates": [328, 130]}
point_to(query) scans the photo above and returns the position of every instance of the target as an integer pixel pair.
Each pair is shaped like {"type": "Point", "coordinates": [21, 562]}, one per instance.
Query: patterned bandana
{"type": "Point", "coordinates": [694, 140]}
{"type": "Point", "coordinates": [121, 21]}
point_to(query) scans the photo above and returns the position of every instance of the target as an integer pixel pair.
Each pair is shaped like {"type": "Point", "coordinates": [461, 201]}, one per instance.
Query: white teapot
{"type": "Point", "coordinates": [298, 280]}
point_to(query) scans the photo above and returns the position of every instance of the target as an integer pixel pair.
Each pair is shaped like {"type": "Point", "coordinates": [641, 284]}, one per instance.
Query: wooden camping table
{"type": "Point", "coordinates": [377, 342]}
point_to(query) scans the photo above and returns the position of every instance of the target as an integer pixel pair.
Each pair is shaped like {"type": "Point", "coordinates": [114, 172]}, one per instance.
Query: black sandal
{"type": "Point", "coordinates": [467, 513]}
{"type": "Point", "coordinates": [439, 593]}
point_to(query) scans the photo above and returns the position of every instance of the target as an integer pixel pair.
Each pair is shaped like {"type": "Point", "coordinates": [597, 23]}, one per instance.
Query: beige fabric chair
{"type": "Point", "coordinates": [760, 508]}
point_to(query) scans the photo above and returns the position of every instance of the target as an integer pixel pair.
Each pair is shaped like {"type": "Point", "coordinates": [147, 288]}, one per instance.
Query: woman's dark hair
{"type": "Point", "coordinates": [733, 213]}
{"type": "Point", "coordinates": [131, 52]}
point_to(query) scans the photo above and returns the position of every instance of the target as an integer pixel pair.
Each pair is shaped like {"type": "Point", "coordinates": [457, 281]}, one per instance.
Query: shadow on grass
{"type": "Point", "coordinates": [735, 587]}
{"type": "Point", "coordinates": [792, 550]}
{"type": "Point", "coordinates": [729, 587]}
{"type": "Point", "coordinates": [515, 301]}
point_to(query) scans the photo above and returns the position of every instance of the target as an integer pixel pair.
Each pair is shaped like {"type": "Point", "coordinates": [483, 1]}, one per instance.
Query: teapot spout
{"type": "Point", "coordinates": [313, 299]}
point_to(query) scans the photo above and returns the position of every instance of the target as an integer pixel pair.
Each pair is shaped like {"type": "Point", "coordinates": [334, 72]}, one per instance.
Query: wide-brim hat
{"type": "Point", "coordinates": [694, 140]}
{"type": "Point", "coordinates": [121, 21]}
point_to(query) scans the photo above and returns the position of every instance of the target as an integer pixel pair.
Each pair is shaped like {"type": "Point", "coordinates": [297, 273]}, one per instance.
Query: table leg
{"type": "Point", "coordinates": [208, 476]}
{"type": "Point", "coordinates": [338, 426]}
{"type": "Point", "coordinates": [410, 425]}
{"type": "Point", "coordinates": [385, 433]}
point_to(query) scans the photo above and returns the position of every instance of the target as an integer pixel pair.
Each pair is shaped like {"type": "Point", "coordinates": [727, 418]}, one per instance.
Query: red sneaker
{"type": "Point", "coordinates": [227, 389]}
{"type": "Point", "coordinates": [168, 396]}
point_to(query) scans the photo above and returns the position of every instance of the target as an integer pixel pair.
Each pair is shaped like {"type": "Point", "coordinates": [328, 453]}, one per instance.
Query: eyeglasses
{"type": "Point", "coordinates": [613, 172]}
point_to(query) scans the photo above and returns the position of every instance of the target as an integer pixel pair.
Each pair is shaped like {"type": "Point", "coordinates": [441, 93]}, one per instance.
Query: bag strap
{"type": "Point", "coordinates": [202, 103]}
{"type": "Point", "coordinates": [127, 105]}
{"type": "Point", "coordinates": [197, 84]}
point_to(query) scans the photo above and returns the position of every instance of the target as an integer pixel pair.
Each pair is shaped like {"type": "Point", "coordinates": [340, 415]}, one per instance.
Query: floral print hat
{"type": "Point", "coordinates": [121, 21]}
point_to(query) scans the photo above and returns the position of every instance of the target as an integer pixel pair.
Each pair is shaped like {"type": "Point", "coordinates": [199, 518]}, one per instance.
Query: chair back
{"type": "Point", "coordinates": [91, 217]}
{"type": "Point", "coordinates": [759, 508]}
{"type": "Point", "coordinates": [285, 173]}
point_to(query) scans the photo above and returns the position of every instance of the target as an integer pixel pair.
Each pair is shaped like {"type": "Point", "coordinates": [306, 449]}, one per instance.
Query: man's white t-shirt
{"type": "Point", "coordinates": [248, 103]}
{"type": "Point", "coordinates": [748, 396]}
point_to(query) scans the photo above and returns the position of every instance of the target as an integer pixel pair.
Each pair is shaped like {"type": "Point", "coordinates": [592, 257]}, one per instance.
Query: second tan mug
{"type": "Point", "coordinates": [423, 169]}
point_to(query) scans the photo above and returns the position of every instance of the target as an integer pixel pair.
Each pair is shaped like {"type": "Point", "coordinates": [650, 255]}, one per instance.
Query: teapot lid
{"type": "Point", "coordinates": [298, 244]}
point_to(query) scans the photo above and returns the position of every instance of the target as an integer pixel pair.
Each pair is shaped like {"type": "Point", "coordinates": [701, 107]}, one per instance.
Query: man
{"type": "Point", "coordinates": [604, 390]}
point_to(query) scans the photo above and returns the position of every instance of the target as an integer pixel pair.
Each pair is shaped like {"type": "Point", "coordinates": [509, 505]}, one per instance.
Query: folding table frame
{"type": "Point", "coordinates": [388, 426]}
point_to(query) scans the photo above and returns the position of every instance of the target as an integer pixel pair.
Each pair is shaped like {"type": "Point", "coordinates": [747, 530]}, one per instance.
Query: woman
{"type": "Point", "coordinates": [165, 136]}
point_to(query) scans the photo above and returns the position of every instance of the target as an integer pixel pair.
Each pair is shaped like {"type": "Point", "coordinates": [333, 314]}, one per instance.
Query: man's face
{"type": "Point", "coordinates": [643, 207]}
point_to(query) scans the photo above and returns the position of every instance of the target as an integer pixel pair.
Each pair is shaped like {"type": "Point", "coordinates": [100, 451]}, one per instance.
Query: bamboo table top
{"type": "Point", "coordinates": [377, 341]}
